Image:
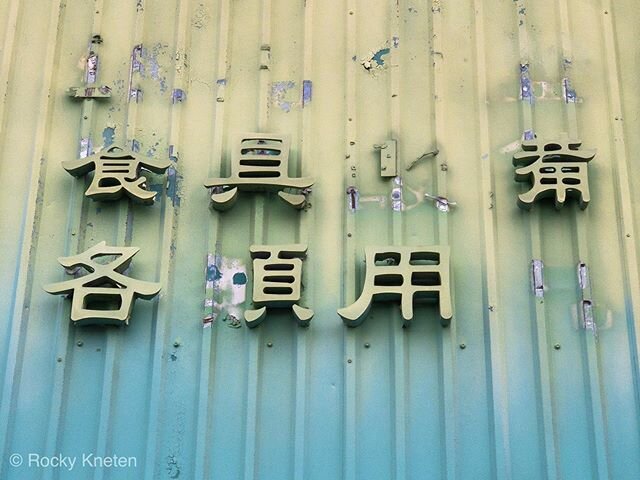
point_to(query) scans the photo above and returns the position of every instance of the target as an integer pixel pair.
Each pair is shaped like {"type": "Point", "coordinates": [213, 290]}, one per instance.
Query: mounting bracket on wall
{"type": "Point", "coordinates": [388, 158]}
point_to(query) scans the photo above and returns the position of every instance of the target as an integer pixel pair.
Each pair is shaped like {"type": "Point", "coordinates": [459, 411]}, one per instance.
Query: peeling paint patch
{"type": "Point", "coordinates": [225, 290]}
{"type": "Point", "coordinates": [85, 147]}
{"type": "Point", "coordinates": [200, 17]}
{"type": "Point", "coordinates": [232, 292]}
{"type": "Point", "coordinates": [374, 61]}
{"type": "Point", "coordinates": [537, 277]}
{"type": "Point", "coordinates": [526, 92]}
{"type": "Point", "coordinates": [213, 272]}
{"type": "Point", "coordinates": [136, 59]}
{"type": "Point", "coordinates": [568, 92]}
{"type": "Point", "coordinates": [307, 92]}
{"type": "Point", "coordinates": [221, 81]}
{"type": "Point", "coordinates": [280, 95]}
{"type": "Point", "coordinates": [92, 68]}
{"type": "Point", "coordinates": [174, 180]}
{"type": "Point", "coordinates": [396, 195]}
{"type": "Point", "coordinates": [178, 95]}
{"type": "Point", "coordinates": [108, 135]}
{"type": "Point", "coordinates": [154, 60]}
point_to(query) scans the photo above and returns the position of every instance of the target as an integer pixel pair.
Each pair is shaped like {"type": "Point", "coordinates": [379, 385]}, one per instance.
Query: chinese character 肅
{"type": "Point", "coordinates": [554, 169]}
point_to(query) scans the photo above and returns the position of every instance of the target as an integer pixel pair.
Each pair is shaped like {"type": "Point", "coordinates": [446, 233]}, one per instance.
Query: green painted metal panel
{"type": "Point", "coordinates": [515, 387]}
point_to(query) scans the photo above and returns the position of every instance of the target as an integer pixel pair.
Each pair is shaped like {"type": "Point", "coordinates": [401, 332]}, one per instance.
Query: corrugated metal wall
{"type": "Point", "coordinates": [514, 388]}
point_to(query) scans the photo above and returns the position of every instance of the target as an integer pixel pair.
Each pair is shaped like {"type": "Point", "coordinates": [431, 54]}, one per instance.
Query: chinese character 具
{"type": "Point", "coordinates": [259, 162]}
{"type": "Point", "coordinates": [554, 169]}
{"type": "Point", "coordinates": [277, 281]}
{"type": "Point", "coordinates": [117, 172]}
{"type": "Point", "coordinates": [408, 273]}
{"type": "Point", "coordinates": [104, 296]}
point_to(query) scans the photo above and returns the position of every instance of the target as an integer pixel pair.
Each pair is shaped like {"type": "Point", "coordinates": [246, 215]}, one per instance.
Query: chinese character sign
{"type": "Point", "coordinates": [405, 273]}
{"type": "Point", "coordinates": [117, 173]}
{"type": "Point", "coordinates": [104, 295]}
{"type": "Point", "coordinates": [554, 169]}
{"type": "Point", "coordinates": [259, 162]}
{"type": "Point", "coordinates": [277, 282]}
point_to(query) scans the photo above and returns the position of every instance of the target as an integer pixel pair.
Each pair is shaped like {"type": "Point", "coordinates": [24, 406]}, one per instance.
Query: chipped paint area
{"type": "Point", "coordinates": [156, 58]}
{"type": "Point", "coordinates": [226, 287]}
{"type": "Point", "coordinates": [568, 92]}
{"type": "Point", "coordinates": [201, 17]}
{"type": "Point", "coordinates": [151, 63]}
{"type": "Point", "coordinates": [85, 147]}
{"type": "Point", "coordinates": [526, 90]}
{"type": "Point", "coordinates": [375, 61]}
{"type": "Point", "coordinates": [108, 136]}
{"type": "Point", "coordinates": [283, 95]}
{"type": "Point", "coordinates": [396, 195]}
{"type": "Point", "coordinates": [307, 92]}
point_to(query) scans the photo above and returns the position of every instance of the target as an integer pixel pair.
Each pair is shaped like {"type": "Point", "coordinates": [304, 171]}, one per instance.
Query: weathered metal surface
{"type": "Point", "coordinates": [517, 386]}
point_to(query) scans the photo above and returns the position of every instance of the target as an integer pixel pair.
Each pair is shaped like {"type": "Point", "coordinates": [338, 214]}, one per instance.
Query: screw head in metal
{"type": "Point", "coordinates": [269, 344]}
{"type": "Point", "coordinates": [367, 345]}
{"type": "Point", "coordinates": [176, 344]}
{"type": "Point", "coordinates": [80, 343]}
{"type": "Point", "coordinates": [463, 346]}
{"type": "Point", "coordinates": [349, 361]}
{"type": "Point", "coordinates": [557, 346]}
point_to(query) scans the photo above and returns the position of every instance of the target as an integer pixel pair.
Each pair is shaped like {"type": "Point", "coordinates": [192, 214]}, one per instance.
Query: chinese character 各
{"type": "Point", "coordinates": [259, 162]}
{"type": "Point", "coordinates": [104, 295]}
{"type": "Point", "coordinates": [117, 172]}
{"type": "Point", "coordinates": [555, 169]}
{"type": "Point", "coordinates": [277, 281]}
{"type": "Point", "coordinates": [408, 273]}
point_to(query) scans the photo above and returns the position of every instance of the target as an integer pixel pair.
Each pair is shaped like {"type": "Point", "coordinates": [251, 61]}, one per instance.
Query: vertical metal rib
{"type": "Point", "coordinates": [448, 338]}
{"type": "Point", "coordinates": [20, 310]}
{"type": "Point", "coordinates": [350, 254]}
{"type": "Point", "coordinates": [627, 231]}
{"type": "Point", "coordinates": [537, 303]}
{"type": "Point", "coordinates": [6, 60]}
{"type": "Point", "coordinates": [307, 167]}
{"type": "Point", "coordinates": [582, 250]}
{"type": "Point", "coordinates": [397, 337]}
{"type": "Point", "coordinates": [255, 335]}
{"type": "Point", "coordinates": [209, 335]}
{"type": "Point", "coordinates": [170, 211]}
